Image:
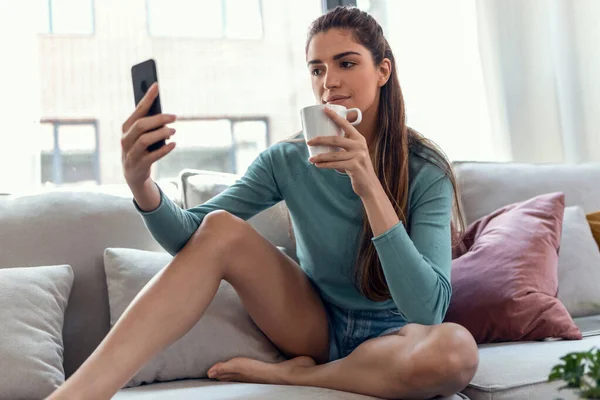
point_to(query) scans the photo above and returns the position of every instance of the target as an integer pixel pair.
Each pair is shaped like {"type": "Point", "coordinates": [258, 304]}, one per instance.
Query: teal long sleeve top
{"type": "Point", "coordinates": [326, 218]}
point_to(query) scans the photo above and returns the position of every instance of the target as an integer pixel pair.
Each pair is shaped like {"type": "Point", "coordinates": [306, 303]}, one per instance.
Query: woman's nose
{"type": "Point", "coordinates": [331, 80]}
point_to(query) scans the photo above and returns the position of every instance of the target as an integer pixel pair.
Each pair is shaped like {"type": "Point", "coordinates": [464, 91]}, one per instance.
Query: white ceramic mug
{"type": "Point", "coordinates": [316, 123]}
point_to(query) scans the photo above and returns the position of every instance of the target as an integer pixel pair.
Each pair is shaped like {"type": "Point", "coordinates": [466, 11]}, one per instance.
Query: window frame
{"type": "Point", "coordinates": [50, 26]}
{"type": "Point", "coordinates": [222, 36]}
{"type": "Point", "coordinates": [57, 159]}
{"type": "Point", "coordinates": [233, 120]}
{"type": "Point", "coordinates": [331, 4]}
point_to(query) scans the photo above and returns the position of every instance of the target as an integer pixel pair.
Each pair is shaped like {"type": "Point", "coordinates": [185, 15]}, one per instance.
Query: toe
{"type": "Point", "coordinates": [214, 371]}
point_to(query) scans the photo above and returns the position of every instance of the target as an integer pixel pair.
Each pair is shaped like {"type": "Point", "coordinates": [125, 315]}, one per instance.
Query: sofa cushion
{"type": "Point", "coordinates": [224, 331]}
{"type": "Point", "coordinates": [578, 266]}
{"type": "Point", "coordinates": [504, 287]}
{"type": "Point", "coordinates": [73, 228]}
{"type": "Point", "coordinates": [198, 186]}
{"type": "Point", "coordinates": [509, 371]}
{"type": "Point", "coordinates": [214, 390]}
{"type": "Point", "coordinates": [486, 187]}
{"type": "Point", "coordinates": [33, 301]}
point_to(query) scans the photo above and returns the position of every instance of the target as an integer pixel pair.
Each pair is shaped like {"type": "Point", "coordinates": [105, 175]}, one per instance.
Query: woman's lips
{"type": "Point", "coordinates": [338, 101]}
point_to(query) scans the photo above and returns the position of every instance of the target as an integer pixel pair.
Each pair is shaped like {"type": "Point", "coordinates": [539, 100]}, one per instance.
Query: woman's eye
{"type": "Point", "coordinates": [316, 72]}
{"type": "Point", "coordinates": [347, 64]}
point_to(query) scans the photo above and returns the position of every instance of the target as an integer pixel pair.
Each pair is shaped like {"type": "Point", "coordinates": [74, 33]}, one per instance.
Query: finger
{"type": "Point", "coordinates": [335, 156]}
{"type": "Point", "coordinates": [142, 108]}
{"type": "Point", "coordinates": [337, 141]}
{"type": "Point", "coordinates": [156, 155]}
{"type": "Point", "coordinates": [141, 145]}
{"type": "Point", "coordinates": [343, 123]}
{"type": "Point", "coordinates": [345, 165]}
{"type": "Point", "coordinates": [144, 125]}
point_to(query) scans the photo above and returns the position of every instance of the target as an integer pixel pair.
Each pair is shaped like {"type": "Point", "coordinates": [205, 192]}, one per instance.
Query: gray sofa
{"type": "Point", "coordinates": [75, 228]}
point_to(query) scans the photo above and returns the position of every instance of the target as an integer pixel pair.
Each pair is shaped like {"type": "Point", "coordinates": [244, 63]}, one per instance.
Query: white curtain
{"type": "Point", "coordinates": [541, 63]}
{"type": "Point", "coordinates": [436, 50]}
{"type": "Point", "coordinates": [499, 80]}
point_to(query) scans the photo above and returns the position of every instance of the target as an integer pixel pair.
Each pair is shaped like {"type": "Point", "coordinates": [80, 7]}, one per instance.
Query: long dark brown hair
{"type": "Point", "coordinates": [393, 142]}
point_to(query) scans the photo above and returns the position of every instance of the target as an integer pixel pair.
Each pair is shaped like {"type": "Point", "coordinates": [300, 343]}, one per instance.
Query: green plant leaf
{"type": "Point", "coordinates": [581, 373]}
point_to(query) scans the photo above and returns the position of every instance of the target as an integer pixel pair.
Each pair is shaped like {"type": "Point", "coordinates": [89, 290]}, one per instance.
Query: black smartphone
{"type": "Point", "coordinates": [143, 76]}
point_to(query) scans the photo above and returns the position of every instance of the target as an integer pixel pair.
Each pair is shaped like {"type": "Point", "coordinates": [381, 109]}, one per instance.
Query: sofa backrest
{"type": "Point", "coordinates": [487, 186]}
{"type": "Point", "coordinates": [73, 228]}
{"type": "Point", "coordinates": [484, 187]}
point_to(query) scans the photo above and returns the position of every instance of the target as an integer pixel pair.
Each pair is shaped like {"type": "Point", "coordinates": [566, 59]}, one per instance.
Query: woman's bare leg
{"type": "Point", "coordinates": [275, 291]}
{"type": "Point", "coordinates": [419, 362]}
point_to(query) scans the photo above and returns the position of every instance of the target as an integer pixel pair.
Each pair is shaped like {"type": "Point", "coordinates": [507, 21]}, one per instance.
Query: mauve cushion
{"type": "Point", "coordinates": [594, 220]}
{"type": "Point", "coordinates": [505, 279]}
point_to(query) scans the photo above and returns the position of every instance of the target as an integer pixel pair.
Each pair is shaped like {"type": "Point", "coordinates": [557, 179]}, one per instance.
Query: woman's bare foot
{"type": "Point", "coordinates": [242, 369]}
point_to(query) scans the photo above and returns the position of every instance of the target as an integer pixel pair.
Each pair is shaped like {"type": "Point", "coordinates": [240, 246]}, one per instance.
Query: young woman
{"type": "Point", "coordinates": [363, 311]}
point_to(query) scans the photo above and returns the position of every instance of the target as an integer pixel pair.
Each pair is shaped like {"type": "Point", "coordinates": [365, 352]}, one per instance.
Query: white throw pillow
{"type": "Point", "coordinates": [33, 301]}
{"type": "Point", "coordinates": [578, 265]}
{"type": "Point", "coordinates": [224, 331]}
{"type": "Point", "coordinates": [199, 186]}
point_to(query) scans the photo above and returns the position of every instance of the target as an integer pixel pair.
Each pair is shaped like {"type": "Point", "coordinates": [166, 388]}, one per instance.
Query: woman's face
{"type": "Point", "coordinates": [343, 72]}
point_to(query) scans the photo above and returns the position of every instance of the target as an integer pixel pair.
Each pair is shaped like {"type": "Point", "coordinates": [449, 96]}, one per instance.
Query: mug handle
{"type": "Point", "coordinates": [358, 118]}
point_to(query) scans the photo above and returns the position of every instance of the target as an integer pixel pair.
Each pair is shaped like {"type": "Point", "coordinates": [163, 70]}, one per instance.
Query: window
{"type": "Point", "coordinates": [249, 138]}
{"type": "Point", "coordinates": [435, 44]}
{"type": "Point", "coordinates": [222, 145]}
{"type": "Point", "coordinates": [69, 153]}
{"type": "Point", "coordinates": [246, 93]}
{"type": "Point", "coordinates": [67, 17]}
{"type": "Point", "coordinates": [211, 19]}
{"type": "Point", "coordinates": [243, 19]}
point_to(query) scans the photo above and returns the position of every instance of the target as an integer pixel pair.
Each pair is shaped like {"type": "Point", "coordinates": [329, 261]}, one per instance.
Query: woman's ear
{"type": "Point", "coordinates": [384, 70]}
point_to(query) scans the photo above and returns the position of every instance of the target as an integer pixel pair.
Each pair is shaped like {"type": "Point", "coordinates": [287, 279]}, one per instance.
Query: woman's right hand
{"type": "Point", "coordinates": [139, 132]}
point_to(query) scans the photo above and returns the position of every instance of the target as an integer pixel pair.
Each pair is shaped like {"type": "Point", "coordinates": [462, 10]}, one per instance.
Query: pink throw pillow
{"type": "Point", "coordinates": [505, 279]}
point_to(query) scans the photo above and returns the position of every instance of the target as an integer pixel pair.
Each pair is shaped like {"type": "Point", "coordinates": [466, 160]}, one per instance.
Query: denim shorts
{"type": "Point", "coordinates": [349, 328]}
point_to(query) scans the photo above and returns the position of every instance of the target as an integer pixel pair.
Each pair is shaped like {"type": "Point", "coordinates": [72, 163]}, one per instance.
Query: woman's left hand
{"type": "Point", "coordinates": [355, 160]}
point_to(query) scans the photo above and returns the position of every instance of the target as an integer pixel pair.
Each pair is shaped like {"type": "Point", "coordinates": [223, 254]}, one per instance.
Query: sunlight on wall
{"type": "Point", "coordinates": [20, 101]}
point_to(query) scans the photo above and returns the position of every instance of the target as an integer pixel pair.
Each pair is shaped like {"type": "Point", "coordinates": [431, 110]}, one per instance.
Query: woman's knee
{"type": "Point", "coordinates": [463, 353]}
{"type": "Point", "coordinates": [223, 233]}
{"type": "Point", "coordinates": [448, 356]}
{"type": "Point", "coordinates": [464, 357]}
{"type": "Point", "coordinates": [221, 226]}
